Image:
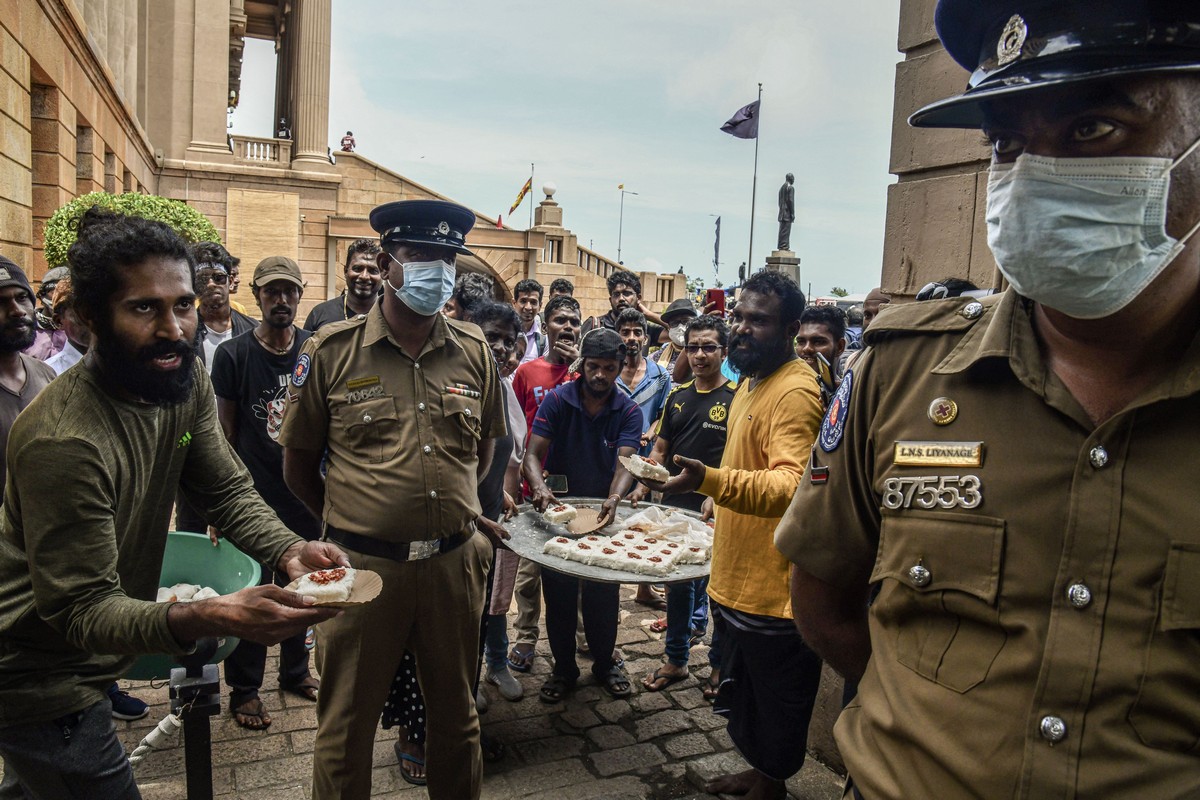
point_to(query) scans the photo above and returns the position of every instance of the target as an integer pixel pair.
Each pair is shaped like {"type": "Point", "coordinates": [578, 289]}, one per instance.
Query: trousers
{"type": "Point", "coordinates": [432, 608]}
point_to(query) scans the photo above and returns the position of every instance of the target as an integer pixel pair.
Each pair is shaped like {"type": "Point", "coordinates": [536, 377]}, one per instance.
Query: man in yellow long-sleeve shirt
{"type": "Point", "coordinates": [770, 677]}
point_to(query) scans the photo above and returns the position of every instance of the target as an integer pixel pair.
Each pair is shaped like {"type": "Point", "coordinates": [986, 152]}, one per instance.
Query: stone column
{"type": "Point", "coordinates": [310, 128]}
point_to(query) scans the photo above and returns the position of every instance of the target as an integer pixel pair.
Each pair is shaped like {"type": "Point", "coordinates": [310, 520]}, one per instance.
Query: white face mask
{"type": "Point", "coordinates": [427, 285]}
{"type": "Point", "coordinates": [676, 333]}
{"type": "Point", "coordinates": [1084, 236]}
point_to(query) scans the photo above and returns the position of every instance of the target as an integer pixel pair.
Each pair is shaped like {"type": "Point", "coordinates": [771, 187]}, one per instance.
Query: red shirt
{"type": "Point", "coordinates": [533, 380]}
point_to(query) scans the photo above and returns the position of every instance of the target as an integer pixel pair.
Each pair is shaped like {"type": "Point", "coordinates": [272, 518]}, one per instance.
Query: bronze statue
{"type": "Point", "coordinates": [787, 212]}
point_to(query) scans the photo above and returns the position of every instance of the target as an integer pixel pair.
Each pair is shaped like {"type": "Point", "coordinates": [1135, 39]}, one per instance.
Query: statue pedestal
{"type": "Point", "coordinates": [787, 262]}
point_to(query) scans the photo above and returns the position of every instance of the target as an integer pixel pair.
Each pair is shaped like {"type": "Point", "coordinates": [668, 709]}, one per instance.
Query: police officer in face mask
{"type": "Point", "coordinates": [1021, 506]}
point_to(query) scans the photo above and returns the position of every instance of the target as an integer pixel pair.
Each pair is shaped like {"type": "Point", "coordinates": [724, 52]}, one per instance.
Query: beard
{"type": "Point", "coordinates": [280, 317]}
{"type": "Point", "coordinates": [131, 370]}
{"type": "Point", "coordinates": [17, 335]}
{"type": "Point", "coordinates": [754, 358]}
{"type": "Point", "coordinates": [594, 391]}
{"type": "Point", "coordinates": [363, 291]}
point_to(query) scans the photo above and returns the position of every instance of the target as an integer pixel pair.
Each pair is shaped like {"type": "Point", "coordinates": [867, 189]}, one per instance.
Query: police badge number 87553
{"type": "Point", "coordinates": [935, 491]}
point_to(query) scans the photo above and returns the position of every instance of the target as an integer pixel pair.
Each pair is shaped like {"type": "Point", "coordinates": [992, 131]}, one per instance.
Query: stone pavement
{"type": "Point", "coordinates": [651, 746]}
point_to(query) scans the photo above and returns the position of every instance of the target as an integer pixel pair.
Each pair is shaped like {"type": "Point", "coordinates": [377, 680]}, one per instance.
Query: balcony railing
{"type": "Point", "coordinates": [263, 152]}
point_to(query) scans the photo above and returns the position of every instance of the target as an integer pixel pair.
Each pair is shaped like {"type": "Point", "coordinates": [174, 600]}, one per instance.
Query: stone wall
{"type": "Point", "coordinates": [935, 222]}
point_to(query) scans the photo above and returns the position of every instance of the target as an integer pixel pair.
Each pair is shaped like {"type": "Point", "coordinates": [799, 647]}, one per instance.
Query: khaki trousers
{"type": "Point", "coordinates": [528, 592]}
{"type": "Point", "coordinates": [432, 608]}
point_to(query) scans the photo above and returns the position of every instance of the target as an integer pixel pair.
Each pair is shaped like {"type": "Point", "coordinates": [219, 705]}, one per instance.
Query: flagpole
{"type": "Point", "coordinates": [531, 191]}
{"type": "Point", "coordinates": [754, 187]}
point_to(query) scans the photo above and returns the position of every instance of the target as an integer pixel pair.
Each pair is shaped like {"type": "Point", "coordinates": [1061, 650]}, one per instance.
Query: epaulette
{"type": "Point", "coordinates": [954, 314]}
{"type": "Point", "coordinates": [468, 328]}
{"type": "Point", "coordinates": [331, 329]}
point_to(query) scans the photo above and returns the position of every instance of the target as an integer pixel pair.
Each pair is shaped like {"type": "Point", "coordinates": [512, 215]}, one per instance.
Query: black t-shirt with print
{"type": "Point", "coordinates": [696, 424]}
{"type": "Point", "coordinates": [246, 373]}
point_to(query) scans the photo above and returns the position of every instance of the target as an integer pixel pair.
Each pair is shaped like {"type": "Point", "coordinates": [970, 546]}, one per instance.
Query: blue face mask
{"type": "Point", "coordinates": [427, 285]}
{"type": "Point", "coordinates": [1084, 236]}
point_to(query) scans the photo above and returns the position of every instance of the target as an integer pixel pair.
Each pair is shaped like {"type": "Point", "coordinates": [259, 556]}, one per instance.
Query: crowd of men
{"type": "Point", "coordinates": [973, 508]}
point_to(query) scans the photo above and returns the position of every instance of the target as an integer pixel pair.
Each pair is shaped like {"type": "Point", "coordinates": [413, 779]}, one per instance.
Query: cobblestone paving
{"type": "Point", "coordinates": [652, 746]}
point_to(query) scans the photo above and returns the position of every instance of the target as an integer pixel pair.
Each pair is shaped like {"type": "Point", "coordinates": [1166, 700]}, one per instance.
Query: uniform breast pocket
{"type": "Point", "coordinates": [464, 425]}
{"type": "Point", "coordinates": [941, 580]}
{"type": "Point", "coordinates": [372, 429]}
{"type": "Point", "coordinates": [1166, 713]}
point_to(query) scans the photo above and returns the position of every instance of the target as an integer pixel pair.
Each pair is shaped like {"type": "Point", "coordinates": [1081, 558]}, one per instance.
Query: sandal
{"type": "Point", "coordinates": [616, 682]}
{"type": "Point", "coordinates": [651, 683]}
{"type": "Point", "coordinates": [555, 689]}
{"type": "Point", "coordinates": [251, 715]}
{"type": "Point", "coordinates": [306, 688]}
{"type": "Point", "coordinates": [659, 625]}
{"type": "Point", "coordinates": [712, 686]}
{"type": "Point", "coordinates": [493, 748]}
{"type": "Point", "coordinates": [404, 759]}
{"type": "Point", "coordinates": [521, 660]}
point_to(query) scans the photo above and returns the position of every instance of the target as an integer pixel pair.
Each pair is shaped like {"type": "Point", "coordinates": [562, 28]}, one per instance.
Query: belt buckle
{"type": "Point", "coordinates": [418, 551]}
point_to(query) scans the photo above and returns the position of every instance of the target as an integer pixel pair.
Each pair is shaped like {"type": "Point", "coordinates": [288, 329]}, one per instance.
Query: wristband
{"type": "Point", "coordinates": [616, 497]}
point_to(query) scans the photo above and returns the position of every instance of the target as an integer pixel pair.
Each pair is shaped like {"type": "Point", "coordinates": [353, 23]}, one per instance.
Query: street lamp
{"type": "Point", "coordinates": [621, 223]}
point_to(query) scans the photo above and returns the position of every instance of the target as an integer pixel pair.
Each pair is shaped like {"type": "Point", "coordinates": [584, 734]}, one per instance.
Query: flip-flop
{"type": "Point", "coordinates": [258, 713]}
{"type": "Point", "coordinates": [659, 675]}
{"type": "Point", "coordinates": [306, 688]}
{"type": "Point", "coordinates": [659, 625]}
{"type": "Point", "coordinates": [405, 774]}
{"type": "Point", "coordinates": [521, 661]}
{"type": "Point", "coordinates": [711, 688]}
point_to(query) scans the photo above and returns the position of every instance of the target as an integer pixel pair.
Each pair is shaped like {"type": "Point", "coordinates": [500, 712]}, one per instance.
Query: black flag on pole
{"type": "Point", "coordinates": [717, 246]}
{"type": "Point", "coordinates": [744, 123]}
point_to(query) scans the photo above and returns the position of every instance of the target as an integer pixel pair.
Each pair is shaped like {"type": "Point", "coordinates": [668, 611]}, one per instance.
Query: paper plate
{"type": "Point", "coordinates": [587, 520]}
{"type": "Point", "coordinates": [367, 586]}
{"type": "Point", "coordinates": [626, 461]}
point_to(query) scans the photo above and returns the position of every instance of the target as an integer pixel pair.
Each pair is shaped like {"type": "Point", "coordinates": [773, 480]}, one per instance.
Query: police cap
{"type": "Point", "coordinates": [423, 222]}
{"type": "Point", "coordinates": [1012, 46]}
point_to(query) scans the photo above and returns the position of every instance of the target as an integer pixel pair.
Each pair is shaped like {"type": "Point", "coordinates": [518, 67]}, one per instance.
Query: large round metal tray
{"type": "Point", "coordinates": [530, 532]}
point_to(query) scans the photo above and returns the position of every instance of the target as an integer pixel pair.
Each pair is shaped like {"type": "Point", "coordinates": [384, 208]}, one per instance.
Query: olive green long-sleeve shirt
{"type": "Point", "coordinates": [87, 504]}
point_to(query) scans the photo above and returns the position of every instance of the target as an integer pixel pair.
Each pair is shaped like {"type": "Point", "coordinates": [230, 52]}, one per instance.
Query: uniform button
{"type": "Point", "coordinates": [1079, 595]}
{"type": "Point", "coordinates": [972, 310]}
{"type": "Point", "coordinates": [433, 494]}
{"type": "Point", "coordinates": [1053, 729]}
{"type": "Point", "coordinates": [427, 449]}
{"type": "Point", "coordinates": [420, 406]}
{"type": "Point", "coordinates": [366, 417]}
{"type": "Point", "coordinates": [467, 412]}
{"type": "Point", "coordinates": [920, 576]}
{"type": "Point", "coordinates": [1098, 457]}
{"type": "Point", "coordinates": [416, 365]}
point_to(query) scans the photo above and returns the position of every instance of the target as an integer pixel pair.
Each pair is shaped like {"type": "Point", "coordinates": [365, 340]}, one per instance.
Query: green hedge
{"type": "Point", "coordinates": [185, 220]}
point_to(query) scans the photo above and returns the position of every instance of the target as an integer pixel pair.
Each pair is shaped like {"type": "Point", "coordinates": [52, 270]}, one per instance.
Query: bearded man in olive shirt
{"type": "Point", "coordinates": [93, 466]}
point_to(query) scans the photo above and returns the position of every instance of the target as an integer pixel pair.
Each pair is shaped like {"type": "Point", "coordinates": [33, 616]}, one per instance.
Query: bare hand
{"type": "Point", "coordinates": [264, 614]}
{"type": "Point", "coordinates": [568, 350]}
{"type": "Point", "coordinates": [608, 511]}
{"type": "Point", "coordinates": [510, 507]}
{"type": "Point", "coordinates": [214, 535]}
{"type": "Point", "coordinates": [639, 493]}
{"type": "Point", "coordinates": [493, 530]}
{"type": "Point", "coordinates": [707, 509]}
{"type": "Point", "coordinates": [710, 308]}
{"type": "Point", "coordinates": [309, 557]}
{"type": "Point", "coordinates": [688, 480]}
{"type": "Point", "coordinates": [542, 497]}
{"type": "Point", "coordinates": [647, 438]}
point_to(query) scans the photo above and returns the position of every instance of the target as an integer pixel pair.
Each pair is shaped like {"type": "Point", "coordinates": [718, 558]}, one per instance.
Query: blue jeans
{"type": "Point", "coordinates": [687, 615]}
{"type": "Point", "coordinates": [496, 641]}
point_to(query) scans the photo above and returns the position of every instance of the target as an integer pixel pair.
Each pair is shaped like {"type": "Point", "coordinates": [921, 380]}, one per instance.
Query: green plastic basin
{"type": "Point", "coordinates": [191, 558]}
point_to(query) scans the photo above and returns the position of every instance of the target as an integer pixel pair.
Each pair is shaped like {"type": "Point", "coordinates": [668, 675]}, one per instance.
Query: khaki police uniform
{"type": "Point", "coordinates": [1037, 629]}
{"type": "Point", "coordinates": [402, 467]}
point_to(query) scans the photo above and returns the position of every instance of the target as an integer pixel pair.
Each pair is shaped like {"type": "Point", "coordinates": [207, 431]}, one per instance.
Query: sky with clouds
{"type": "Point", "coordinates": [463, 97]}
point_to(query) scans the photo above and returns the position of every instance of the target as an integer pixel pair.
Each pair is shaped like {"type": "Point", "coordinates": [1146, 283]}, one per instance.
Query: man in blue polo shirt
{"type": "Point", "coordinates": [579, 430]}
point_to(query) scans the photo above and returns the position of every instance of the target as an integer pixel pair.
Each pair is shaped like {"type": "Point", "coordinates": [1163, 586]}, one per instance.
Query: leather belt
{"type": "Point", "coordinates": [397, 551]}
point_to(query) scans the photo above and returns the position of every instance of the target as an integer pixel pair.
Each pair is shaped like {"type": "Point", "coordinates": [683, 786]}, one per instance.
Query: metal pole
{"type": "Point", "coordinates": [531, 192]}
{"type": "Point", "coordinates": [754, 188]}
{"type": "Point", "coordinates": [621, 227]}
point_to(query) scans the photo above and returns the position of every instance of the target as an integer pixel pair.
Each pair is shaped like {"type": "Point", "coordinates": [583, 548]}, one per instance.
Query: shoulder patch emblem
{"type": "Point", "coordinates": [835, 420]}
{"type": "Point", "coordinates": [300, 373]}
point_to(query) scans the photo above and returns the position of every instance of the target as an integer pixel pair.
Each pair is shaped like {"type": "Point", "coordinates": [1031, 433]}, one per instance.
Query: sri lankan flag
{"type": "Point", "coordinates": [521, 195]}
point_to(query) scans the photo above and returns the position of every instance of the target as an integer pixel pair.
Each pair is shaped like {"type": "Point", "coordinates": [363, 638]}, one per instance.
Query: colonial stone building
{"type": "Point", "coordinates": [132, 95]}
{"type": "Point", "coordinates": [935, 216]}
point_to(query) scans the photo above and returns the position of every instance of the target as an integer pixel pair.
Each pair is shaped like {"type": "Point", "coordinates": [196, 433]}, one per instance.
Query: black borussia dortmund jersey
{"type": "Point", "coordinates": [695, 423]}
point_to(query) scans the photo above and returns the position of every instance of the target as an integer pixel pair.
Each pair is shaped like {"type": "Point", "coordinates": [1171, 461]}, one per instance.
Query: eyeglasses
{"type": "Point", "coordinates": [707, 349]}
{"type": "Point", "coordinates": [219, 278]}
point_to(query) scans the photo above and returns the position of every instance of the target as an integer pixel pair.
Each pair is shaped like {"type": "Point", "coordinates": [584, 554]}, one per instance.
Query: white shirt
{"type": "Point", "coordinates": [212, 340]}
{"type": "Point", "coordinates": [64, 359]}
{"type": "Point", "coordinates": [531, 348]}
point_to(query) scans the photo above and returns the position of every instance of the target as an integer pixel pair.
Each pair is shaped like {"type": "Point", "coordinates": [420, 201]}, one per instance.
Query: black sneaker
{"type": "Point", "coordinates": [126, 706]}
